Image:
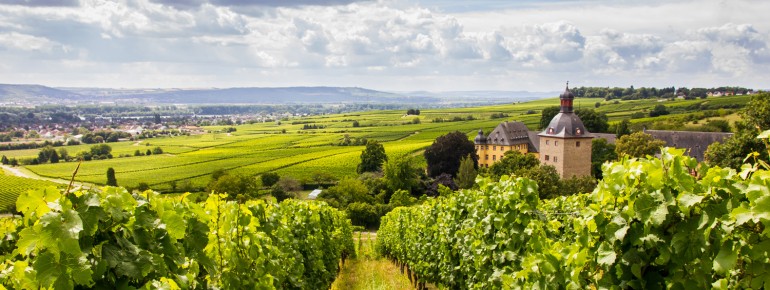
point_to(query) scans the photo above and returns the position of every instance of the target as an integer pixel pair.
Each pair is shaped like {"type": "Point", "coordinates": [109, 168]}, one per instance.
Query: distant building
{"type": "Point", "coordinates": [566, 144]}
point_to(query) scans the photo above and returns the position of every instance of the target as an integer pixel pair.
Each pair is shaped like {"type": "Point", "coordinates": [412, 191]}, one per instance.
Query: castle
{"type": "Point", "coordinates": [564, 143]}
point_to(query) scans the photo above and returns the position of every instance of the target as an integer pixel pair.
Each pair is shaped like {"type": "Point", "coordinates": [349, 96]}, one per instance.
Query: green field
{"type": "Point", "coordinates": [12, 186]}
{"type": "Point", "coordinates": [253, 149]}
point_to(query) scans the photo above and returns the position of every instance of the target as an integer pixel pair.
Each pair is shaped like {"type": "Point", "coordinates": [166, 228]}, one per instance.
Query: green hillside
{"type": "Point", "coordinates": [289, 150]}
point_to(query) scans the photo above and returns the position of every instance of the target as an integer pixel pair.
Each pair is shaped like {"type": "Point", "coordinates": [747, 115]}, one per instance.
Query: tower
{"type": "Point", "coordinates": [565, 143]}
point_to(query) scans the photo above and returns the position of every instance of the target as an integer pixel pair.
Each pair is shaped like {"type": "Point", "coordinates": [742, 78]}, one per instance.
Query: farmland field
{"type": "Point", "coordinates": [289, 150]}
{"type": "Point", "coordinates": [12, 186]}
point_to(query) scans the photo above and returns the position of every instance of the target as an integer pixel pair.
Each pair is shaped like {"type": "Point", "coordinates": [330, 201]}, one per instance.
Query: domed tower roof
{"type": "Point", "coordinates": [566, 99]}
{"type": "Point", "coordinates": [566, 124]}
{"type": "Point", "coordinates": [480, 138]}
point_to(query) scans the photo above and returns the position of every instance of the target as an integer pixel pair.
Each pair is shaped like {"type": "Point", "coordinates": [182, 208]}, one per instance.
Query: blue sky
{"type": "Point", "coordinates": [391, 45]}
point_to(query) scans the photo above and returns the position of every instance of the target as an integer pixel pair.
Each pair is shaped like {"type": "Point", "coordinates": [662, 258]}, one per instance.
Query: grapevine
{"type": "Point", "coordinates": [651, 223]}
{"type": "Point", "coordinates": [114, 239]}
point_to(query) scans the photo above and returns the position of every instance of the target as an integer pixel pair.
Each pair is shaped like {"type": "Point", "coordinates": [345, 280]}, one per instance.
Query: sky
{"type": "Point", "coordinates": [389, 45]}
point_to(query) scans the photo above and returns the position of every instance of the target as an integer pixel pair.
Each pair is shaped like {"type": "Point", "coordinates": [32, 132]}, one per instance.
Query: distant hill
{"type": "Point", "coordinates": [37, 94]}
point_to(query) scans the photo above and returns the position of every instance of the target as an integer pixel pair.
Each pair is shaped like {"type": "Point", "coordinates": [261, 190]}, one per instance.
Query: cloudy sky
{"type": "Point", "coordinates": [391, 45]}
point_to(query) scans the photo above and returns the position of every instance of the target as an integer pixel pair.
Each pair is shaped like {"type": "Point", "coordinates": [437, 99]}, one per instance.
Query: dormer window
{"type": "Point", "coordinates": [550, 130]}
{"type": "Point", "coordinates": [578, 131]}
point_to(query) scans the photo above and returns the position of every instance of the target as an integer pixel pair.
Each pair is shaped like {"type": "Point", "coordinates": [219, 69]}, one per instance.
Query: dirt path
{"type": "Point", "coordinates": [26, 173]}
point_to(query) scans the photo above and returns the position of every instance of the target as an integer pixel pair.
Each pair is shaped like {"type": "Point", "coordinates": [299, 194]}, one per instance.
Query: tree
{"type": "Point", "coordinates": [63, 154]}
{"type": "Point", "coordinates": [622, 128]}
{"type": "Point", "coordinates": [279, 194]}
{"type": "Point", "coordinates": [5, 160]}
{"type": "Point", "coordinates": [102, 150]}
{"type": "Point", "coordinates": [659, 110]}
{"type": "Point", "coordinates": [54, 157]}
{"type": "Point", "coordinates": [234, 185]}
{"type": "Point", "coordinates": [402, 198]}
{"type": "Point", "coordinates": [577, 185]}
{"type": "Point", "coordinates": [399, 174]}
{"type": "Point", "coordinates": [347, 191]}
{"type": "Point", "coordinates": [269, 178]}
{"type": "Point", "coordinates": [466, 175]}
{"type": "Point", "coordinates": [289, 184]}
{"type": "Point", "coordinates": [148, 153]}
{"type": "Point", "coordinates": [757, 112]}
{"type": "Point", "coordinates": [597, 105]}
{"type": "Point", "coordinates": [601, 151]}
{"type": "Point", "coordinates": [547, 115]}
{"type": "Point", "coordinates": [143, 186]}
{"type": "Point", "coordinates": [356, 124]}
{"type": "Point", "coordinates": [45, 154]}
{"type": "Point", "coordinates": [513, 162]}
{"type": "Point", "coordinates": [157, 118]}
{"type": "Point", "coordinates": [594, 121]}
{"type": "Point", "coordinates": [372, 157]}
{"type": "Point", "coordinates": [638, 144]}
{"type": "Point", "coordinates": [444, 155]}
{"type": "Point", "coordinates": [111, 181]}
{"type": "Point", "coordinates": [548, 181]}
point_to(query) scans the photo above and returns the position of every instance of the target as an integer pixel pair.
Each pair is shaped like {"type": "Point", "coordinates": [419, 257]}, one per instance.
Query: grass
{"type": "Point", "coordinates": [368, 270]}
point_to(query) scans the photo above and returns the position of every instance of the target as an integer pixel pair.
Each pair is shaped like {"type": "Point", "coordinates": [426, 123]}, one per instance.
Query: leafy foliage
{"type": "Point", "coordinates": [547, 115]}
{"type": "Point", "coordinates": [466, 175]}
{"type": "Point", "coordinates": [594, 121]}
{"type": "Point", "coordinates": [443, 156]}
{"type": "Point", "coordinates": [372, 157]}
{"type": "Point", "coordinates": [638, 144]}
{"type": "Point", "coordinates": [660, 223]}
{"type": "Point", "coordinates": [601, 152]}
{"type": "Point", "coordinates": [112, 239]}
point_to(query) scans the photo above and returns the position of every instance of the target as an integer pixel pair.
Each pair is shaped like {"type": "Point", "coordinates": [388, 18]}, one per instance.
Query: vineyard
{"type": "Point", "coordinates": [288, 149]}
{"type": "Point", "coordinates": [111, 239]}
{"type": "Point", "coordinates": [12, 186]}
{"type": "Point", "coordinates": [650, 224]}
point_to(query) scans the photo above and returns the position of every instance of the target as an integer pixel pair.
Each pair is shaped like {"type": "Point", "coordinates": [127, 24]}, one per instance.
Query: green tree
{"type": "Point", "coordinates": [269, 178]}
{"type": "Point", "coordinates": [148, 153]}
{"type": "Point", "coordinates": [101, 150]}
{"type": "Point", "coordinates": [659, 110]}
{"type": "Point", "coordinates": [54, 157]}
{"type": "Point", "coordinates": [5, 160]}
{"type": "Point", "coordinates": [143, 186]}
{"type": "Point", "coordinates": [547, 115]}
{"type": "Point", "coordinates": [157, 150]}
{"type": "Point", "coordinates": [513, 162]}
{"type": "Point", "coordinates": [111, 181]}
{"type": "Point", "coordinates": [289, 184]}
{"type": "Point", "coordinates": [372, 157]}
{"type": "Point", "coordinates": [466, 175]}
{"type": "Point", "coordinates": [548, 181]}
{"type": "Point", "coordinates": [45, 154]}
{"type": "Point", "coordinates": [63, 154]}
{"type": "Point", "coordinates": [732, 151]}
{"type": "Point", "coordinates": [356, 124]}
{"type": "Point", "coordinates": [443, 156]}
{"type": "Point", "coordinates": [233, 185]}
{"type": "Point", "coordinates": [399, 174]}
{"type": "Point", "coordinates": [402, 198]}
{"type": "Point", "coordinates": [594, 121]}
{"type": "Point", "coordinates": [280, 194]}
{"type": "Point", "coordinates": [622, 128]}
{"type": "Point", "coordinates": [601, 151]}
{"type": "Point", "coordinates": [577, 185]}
{"type": "Point", "coordinates": [638, 144]}
{"type": "Point", "coordinates": [347, 191]}
{"type": "Point", "coordinates": [757, 112]}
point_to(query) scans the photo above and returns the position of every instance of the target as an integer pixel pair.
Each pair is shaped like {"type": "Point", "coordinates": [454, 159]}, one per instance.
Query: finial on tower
{"type": "Point", "coordinates": [568, 84]}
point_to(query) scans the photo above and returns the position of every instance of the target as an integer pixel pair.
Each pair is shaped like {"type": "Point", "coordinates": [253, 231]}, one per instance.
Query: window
{"type": "Point", "coordinates": [555, 143]}
{"type": "Point", "coordinates": [577, 144]}
{"type": "Point", "coordinates": [494, 148]}
{"type": "Point", "coordinates": [486, 157]}
{"type": "Point", "coordinates": [494, 157]}
{"type": "Point", "coordinates": [547, 142]}
{"type": "Point", "coordinates": [555, 159]}
{"type": "Point", "coordinates": [546, 157]}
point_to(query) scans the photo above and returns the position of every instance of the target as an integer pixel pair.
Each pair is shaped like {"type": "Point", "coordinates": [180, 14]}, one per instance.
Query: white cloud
{"type": "Point", "coordinates": [386, 44]}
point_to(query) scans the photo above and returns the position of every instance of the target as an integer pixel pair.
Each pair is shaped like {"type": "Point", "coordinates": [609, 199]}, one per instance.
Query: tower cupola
{"type": "Point", "coordinates": [566, 100]}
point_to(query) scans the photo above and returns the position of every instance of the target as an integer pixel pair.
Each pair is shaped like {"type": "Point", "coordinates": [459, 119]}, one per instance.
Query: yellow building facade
{"type": "Point", "coordinates": [507, 136]}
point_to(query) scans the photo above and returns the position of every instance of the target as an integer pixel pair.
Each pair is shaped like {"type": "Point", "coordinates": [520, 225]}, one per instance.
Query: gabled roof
{"type": "Point", "coordinates": [509, 133]}
{"type": "Point", "coordinates": [695, 142]}
{"type": "Point", "coordinates": [314, 194]}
